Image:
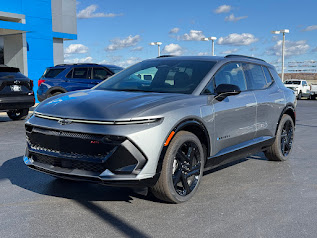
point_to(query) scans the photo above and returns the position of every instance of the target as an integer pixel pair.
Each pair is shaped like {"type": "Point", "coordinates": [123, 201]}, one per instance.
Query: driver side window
{"type": "Point", "coordinates": [231, 73]}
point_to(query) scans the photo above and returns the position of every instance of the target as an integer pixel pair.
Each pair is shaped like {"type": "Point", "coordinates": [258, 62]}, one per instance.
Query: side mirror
{"type": "Point", "coordinates": [225, 90]}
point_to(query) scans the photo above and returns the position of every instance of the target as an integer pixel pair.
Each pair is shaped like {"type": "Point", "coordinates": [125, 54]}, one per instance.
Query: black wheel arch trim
{"type": "Point", "coordinates": [57, 88]}
{"type": "Point", "coordinates": [285, 109]}
{"type": "Point", "coordinates": [178, 127]}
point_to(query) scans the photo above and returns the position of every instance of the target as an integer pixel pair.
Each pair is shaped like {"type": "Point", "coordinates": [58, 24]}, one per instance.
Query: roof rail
{"type": "Point", "coordinates": [243, 56]}
{"type": "Point", "coordinates": [77, 64]}
{"type": "Point", "coordinates": [164, 56]}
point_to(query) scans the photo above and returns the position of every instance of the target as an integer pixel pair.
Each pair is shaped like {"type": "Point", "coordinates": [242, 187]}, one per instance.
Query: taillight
{"type": "Point", "coordinates": [40, 82]}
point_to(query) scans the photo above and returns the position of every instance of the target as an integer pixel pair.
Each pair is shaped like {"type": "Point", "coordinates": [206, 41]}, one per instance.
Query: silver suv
{"type": "Point", "coordinates": [162, 122]}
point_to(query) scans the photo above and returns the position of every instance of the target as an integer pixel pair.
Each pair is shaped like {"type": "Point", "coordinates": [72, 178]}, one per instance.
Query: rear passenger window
{"type": "Point", "coordinates": [255, 76]}
{"type": "Point", "coordinates": [268, 76]}
{"type": "Point", "coordinates": [231, 73]}
{"type": "Point", "coordinates": [81, 73]}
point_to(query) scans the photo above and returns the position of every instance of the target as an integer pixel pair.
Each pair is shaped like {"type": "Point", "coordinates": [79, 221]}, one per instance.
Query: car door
{"type": "Point", "coordinates": [79, 78]}
{"type": "Point", "coordinates": [234, 117]}
{"type": "Point", "coordinates": [269, 97]}
{"type": "Point", "coordinates": [306, 88]}
{"type": "Point", "coordinates": [99, 74]}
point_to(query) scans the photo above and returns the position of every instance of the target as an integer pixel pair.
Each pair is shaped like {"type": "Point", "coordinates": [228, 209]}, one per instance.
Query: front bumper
{"type": "Point", "coordinates": [95, 158]}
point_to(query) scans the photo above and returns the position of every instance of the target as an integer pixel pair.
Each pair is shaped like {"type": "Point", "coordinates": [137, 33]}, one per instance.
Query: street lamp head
{"type": "Point", "coordinates": [204, 39]}
{"type": "Point", "coordinates": [212, 38]}
{"type": "Point", "coordinates": [156, 43]}
{"type": "Point", "coordinates": [276, 32]}
{"type": "Point", "coordinates": [284, 31]}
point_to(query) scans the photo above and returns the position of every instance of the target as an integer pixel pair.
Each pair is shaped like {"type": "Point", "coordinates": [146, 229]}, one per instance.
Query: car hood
{"type": "Point", "coordinates": [104, 105]}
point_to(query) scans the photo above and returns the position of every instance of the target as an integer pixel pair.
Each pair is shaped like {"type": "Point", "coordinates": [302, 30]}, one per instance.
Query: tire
{"type": "Point", "coordinates": [184, 156]}
{"type": "Point", "coordinates": [299, 96]}
{"type": "Point", "coordinates": [282, 147]}
{"type": "Point", "coordinates": [20, 114]}
{"type": "Point", "coordinates": [55, 93]}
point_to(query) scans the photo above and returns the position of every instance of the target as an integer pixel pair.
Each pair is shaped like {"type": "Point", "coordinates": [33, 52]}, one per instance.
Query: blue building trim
{"type": "Point", "coordinates": [64, 36]}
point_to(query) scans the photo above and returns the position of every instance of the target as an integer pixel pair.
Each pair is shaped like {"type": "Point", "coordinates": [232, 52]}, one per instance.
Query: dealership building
{"type": "Point", "coordinates": [32, 33]}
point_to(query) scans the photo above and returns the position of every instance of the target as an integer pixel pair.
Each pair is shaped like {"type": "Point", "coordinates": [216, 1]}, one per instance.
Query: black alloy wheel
{"type": "Point", "coordinates": [182, 169]}
{"type": "Point", "coordinates": [186, 168]}
{"type": "Point", "coordinates": [287, 138]}
{"type": "Point", "coordinates": [282, 146]}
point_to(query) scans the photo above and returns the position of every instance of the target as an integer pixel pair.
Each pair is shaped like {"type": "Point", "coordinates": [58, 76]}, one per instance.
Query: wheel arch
{"type": "Point", "coordinates": [288, 110]}
{"type": "Point", "coordinates": [192, 125]}
{"type": "Point", "coordinates": [56, 89]}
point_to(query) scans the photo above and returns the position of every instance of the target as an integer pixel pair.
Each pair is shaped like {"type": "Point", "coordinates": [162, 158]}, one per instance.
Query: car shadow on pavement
{"type": "Point", "coordinates": [19, 174]}
{"type": "Point", "coordinates": [83, 193]}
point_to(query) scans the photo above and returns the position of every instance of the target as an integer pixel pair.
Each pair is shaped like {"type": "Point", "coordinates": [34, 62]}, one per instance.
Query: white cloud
{"type": "Point", "coordinates": [76, 49]}
{"type": "Point", "coordinates": [173, 49]}
{"type": "Point", "coordinates": [193, 35]}
{"type": "Point", "coordinates": [291, 48]}
{"type": "Point", "coordinates": [310, 28]}
{"type": "Point", "coordinates": [228, 52]}
{"type": "Point", "coordinates": [90, 12]}
{"type": "Point", "coordinates": [223, 9]}
{"type": "Point", "coordinates": [234, 19]}
{"type": "Point", "coordinates": [174, 30]}
{"type": "Point", "coordinates": [117, 60]}
{"type": "Point", "coordinates": [118, 43]}
{"type": "Point", "coordinates": [237, 39]}
{"type": "Point", "coordinates": [202, 53]}
{"type": "Point", "coordinates": [78, 60]}
{"type": "Point", "coordinates": [139, 48]}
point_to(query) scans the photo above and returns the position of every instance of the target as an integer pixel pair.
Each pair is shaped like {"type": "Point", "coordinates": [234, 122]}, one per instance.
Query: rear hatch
{"type": "Point", "coordinates": [13, 83]}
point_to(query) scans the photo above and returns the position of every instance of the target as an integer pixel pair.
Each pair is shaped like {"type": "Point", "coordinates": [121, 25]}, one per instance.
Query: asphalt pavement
{"type": "Point", "coordinates": [253, 197]}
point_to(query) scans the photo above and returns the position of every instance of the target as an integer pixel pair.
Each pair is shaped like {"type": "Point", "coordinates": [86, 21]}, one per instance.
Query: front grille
{"type": "Point", "coordinates": [72, 143]}
{"type": "Point", "coordinates": [69, 163]}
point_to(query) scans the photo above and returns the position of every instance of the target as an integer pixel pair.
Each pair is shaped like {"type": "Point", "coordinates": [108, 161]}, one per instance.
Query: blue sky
{"type": "Point", "coordinates": [119, 32]}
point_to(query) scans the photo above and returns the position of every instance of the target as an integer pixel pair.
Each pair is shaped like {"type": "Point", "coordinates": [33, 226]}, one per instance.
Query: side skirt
{"type": "Point", "coordinates": [236, 152]}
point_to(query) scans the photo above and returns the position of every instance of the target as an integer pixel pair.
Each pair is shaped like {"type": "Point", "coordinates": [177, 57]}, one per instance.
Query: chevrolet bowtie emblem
{"type": "Point", "coordinates": [64, 122]}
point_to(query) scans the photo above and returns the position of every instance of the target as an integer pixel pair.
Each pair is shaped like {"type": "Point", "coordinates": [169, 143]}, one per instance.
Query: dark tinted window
{"type": "Point", "coordinates": [293, 82]}
{"type": "Point", "coordinates": [268, 76]}
{"type": "Point", "coordinates": [231, 74]}
{"type": "Point", "coordinates": [52, 73]}
{"type": "Point", "coordinates": [81, 73]}
{"type": "Point", "coordinates": [255, 76]}
{"type": "Point", "coordinates": [100, 73]}
{"type": "Point", "coordinates": [165, 76]}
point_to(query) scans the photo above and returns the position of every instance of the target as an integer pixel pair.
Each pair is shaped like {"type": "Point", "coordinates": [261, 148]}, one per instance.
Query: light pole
{"type": "Point", "coordinates": [158, 46]}
{"type": "Point", "coordinates": [212, 43]}
{"type": "Point", "coordinates": [284, 31]}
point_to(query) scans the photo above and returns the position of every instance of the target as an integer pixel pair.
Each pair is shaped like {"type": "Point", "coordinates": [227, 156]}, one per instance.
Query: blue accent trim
{"type": "Point", "coordinates": [65, 36]}
{"type": "Point", "coordinates": [14, 26]}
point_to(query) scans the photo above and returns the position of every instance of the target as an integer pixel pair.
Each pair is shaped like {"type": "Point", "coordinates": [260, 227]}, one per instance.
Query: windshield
{"type": "Point", "coordinates": [163, 76]}
{"type": "Point", "coordinates": [292, 82]}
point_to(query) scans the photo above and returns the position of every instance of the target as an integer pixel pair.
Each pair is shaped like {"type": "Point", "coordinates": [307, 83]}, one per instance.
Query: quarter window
{"type": "Point", "coordinates": [255, 76]}
{"type": "Point", "coordinates": [268, 76]}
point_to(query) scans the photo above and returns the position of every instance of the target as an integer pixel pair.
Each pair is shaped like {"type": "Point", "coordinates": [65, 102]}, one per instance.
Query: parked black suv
{"type": "Point", "coordinates": [70, 77]}
{"type": "Point", "coordinates": [16, 93]}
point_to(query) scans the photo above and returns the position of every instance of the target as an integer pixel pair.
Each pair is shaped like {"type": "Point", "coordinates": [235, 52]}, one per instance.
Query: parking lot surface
{"type": "Point", "coordinates": [252, 198]}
